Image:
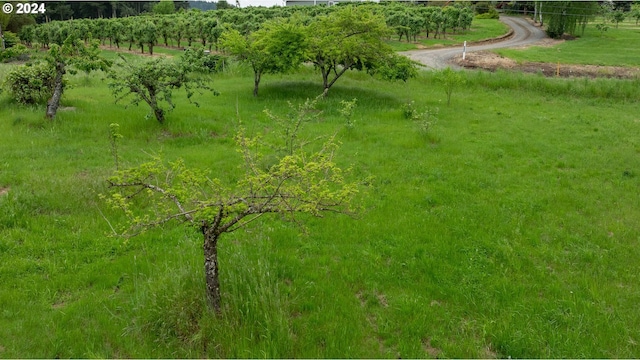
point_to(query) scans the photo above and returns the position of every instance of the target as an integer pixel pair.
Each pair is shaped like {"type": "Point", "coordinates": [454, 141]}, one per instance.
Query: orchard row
{"type": "Point", "coordinates": [194, 26]}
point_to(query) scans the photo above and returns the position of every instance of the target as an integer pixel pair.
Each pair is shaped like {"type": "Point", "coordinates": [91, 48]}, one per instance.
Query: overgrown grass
{"type": "Point", "coordinates": [615, 47]}
{"type": "Point", "coordinates": [510, 231]}
{"type": "Point", "coordinates": [481, 29]}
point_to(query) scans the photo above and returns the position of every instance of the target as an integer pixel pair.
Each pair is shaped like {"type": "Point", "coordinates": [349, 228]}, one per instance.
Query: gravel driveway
{"type": "Point", "coordinates": [524, 33]}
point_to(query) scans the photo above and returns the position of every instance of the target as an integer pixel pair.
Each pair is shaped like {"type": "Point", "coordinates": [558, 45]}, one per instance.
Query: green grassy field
{"type": "Point", "coordinates": [481, 29]}
{"type": "Point", "coordinates": [615, 47]}
{"type": "Point", "coordinates": [510, 229]}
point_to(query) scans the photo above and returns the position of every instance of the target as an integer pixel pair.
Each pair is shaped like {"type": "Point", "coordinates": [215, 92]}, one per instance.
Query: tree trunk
{"type": "Point", "coordinates": [159, 113]}
{"type": "Point", "coordinates": [150, 48]}
{"type": "Point", "coordinates": [54, 102]}
{"type": "Point", "coordinates": [256, 82]}
{"type": "Point", "coordinates": [153, 103]}
{"type": "Point", "coordinates": [325, 81]}
{"type": "Point", "coordinates": [211, 269]}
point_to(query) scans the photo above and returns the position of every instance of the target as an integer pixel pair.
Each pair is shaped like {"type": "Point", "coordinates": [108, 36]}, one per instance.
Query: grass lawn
{"type": "Point", "coordinates": [511, 228]}
{"type": "Point", "coordinates": [481, 29]}
{"type": "Point", "coordinates": [615, 47]}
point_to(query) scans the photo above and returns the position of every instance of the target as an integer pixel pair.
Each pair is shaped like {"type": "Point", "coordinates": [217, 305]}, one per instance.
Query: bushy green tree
{"type": "Point", "coordinates": [154, 80]}
{"type": "Point", "coordinates": [30, 84]}
{"type": "Point", "coordinates": [635, 12]}
{"type": "Point", "coordinates": [146, 32]}
{"type": "Point", "coordinates": [348, 38]}
{"type": "Point", "coordinates": [617, 17]}
{"type": "Point", "coordinates": [164, 7]}
{"type": "Point", "coordinates": [279, 46]}
{"type": "Point", "coordinates": [73, 53]}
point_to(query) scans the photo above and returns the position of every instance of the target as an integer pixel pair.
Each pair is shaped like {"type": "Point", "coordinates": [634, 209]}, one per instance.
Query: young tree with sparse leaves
{"type": "Point", "coordinates": [154, 80]}
{"type": "Point", "coordinates": [451, 80]}
{"type": "Point", "coordinates": [302, 181]}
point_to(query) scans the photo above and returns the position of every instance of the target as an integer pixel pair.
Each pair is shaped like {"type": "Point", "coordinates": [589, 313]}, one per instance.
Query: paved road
{"type": "Point", "coordinates": [524, 33]}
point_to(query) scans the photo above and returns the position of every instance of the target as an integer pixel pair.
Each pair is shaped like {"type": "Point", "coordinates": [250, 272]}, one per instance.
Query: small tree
{"type": "Point", "coordinates": [277, 47]}
{"type": "Point", "coordinates": [73, 53]}
{"type": "Point", "coordinates": [154, 80]}
{"type": "Point", "coordinates": [146, 33]}
{"type": "Point", "coordinates": [164, 7]}
{"type": "Point", "coordinates": [635, 12]}
{"type": "Point", "coordinates": [450, 80]}
{"type": "Point", "coordinates": [30, 84]}
{"type": "Point", "coordinates": [305, 181]}
{"type": "Point", "coordinates": [617, 17]}
{"type": "Point", "coordinates": [348, 38]}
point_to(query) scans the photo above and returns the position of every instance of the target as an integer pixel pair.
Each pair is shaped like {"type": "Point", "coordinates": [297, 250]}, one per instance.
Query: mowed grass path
{"type": "Point", "coordinates": [615, 47]}
{"type": "Point", "coordinates": [510, 229]}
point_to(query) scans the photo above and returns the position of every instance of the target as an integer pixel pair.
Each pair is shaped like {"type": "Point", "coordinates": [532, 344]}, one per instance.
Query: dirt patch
{"type": "Point", "coordinates": [1, 348]}
{"type": "Point", "coordinates": [4, 190]}
{"type": "Point", "coordinates": [360, 297]}
{"type": "Point", "coordinates": [66, 108]}
{"type": "Point", "coordinates": [382, 299]}
{"type": "Point", "coordinates": [136, 52]}
{"type": "Point", "coordinates": [489, 353]}
{"type": "Point", "coordinates": [429, 349]}
{"type": "Point", "coordinates": [545, 43]}
{"type": "Point", "coordinates": [59, 305]}
{"type": "Point", "coordinates": [489, 61]}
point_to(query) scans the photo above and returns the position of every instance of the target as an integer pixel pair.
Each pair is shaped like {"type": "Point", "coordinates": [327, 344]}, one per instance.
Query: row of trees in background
{"type": "Point", "coordinates": [410, 21]}
{"type": "Point", "coordinates": [187, 28]}
{"type": "Point", "coordinates": [349, 38]}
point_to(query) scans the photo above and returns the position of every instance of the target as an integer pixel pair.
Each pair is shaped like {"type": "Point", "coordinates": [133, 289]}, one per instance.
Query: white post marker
{"type": "Point", "coordinates": [464, 51]}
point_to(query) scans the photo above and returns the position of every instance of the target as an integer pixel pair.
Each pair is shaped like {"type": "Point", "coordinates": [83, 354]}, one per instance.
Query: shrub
{"type": "Point", "coordinates": [18, 52]}
{"type": "Point", "coordinates": [200, 61]}
{"type": "Point", "coordinates": [491, 14]}
{"type": "Point", "coordinates": [31, 84]}
{"type": "Point", "coordinates": [482, 7]}
{"type": "Point", "coordinates": [423, 120]}
{"type": "Point", "coordinates": [10, 39]}
{"type": "Point", "coordinates": [215, 63]}
{"type": "Point", "coordinates": [347, 112]}
{"type": "Point", "coordinates": [409, 111]}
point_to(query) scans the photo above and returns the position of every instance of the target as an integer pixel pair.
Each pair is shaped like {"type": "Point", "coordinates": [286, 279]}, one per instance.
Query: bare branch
{"type": "Point", "coordinates": [186, 214]}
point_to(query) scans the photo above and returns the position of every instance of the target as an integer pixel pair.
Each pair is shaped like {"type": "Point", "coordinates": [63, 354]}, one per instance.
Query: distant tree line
{"type": "Point", "coordinates": [66, 10]}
